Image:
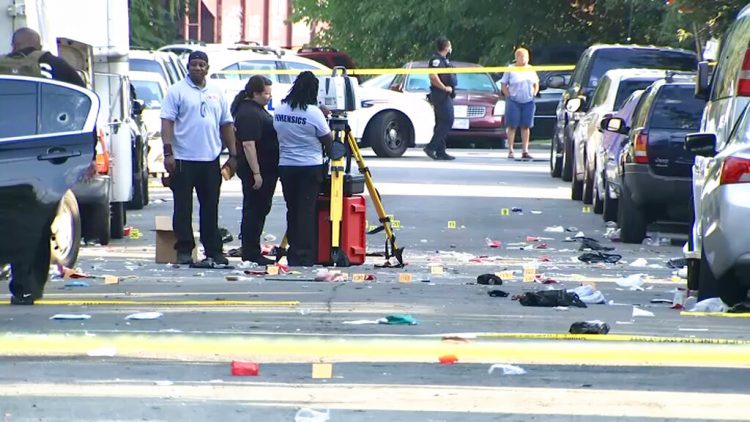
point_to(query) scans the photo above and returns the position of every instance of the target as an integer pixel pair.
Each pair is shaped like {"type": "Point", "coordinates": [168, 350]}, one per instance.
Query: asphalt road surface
{"type": "Point", "coordinates": [319, 346]}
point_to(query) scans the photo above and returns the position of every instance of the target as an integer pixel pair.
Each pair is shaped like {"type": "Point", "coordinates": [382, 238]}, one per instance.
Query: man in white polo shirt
{"type": "Point", "coordinates": [195, 121]}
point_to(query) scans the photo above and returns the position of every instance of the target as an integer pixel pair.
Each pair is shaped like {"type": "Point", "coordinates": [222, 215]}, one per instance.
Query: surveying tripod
{"type": "Point", "coordinates": [343, 149]}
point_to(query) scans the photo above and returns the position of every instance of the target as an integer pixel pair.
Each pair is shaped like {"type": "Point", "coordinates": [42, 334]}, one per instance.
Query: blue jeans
{"type": "Point", "coordinates": [519, 114]}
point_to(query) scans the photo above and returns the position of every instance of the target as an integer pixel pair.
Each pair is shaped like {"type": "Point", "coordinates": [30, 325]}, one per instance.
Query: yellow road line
{"type": "Point", "coordinates": [418, 398]}
{"type": "Point", "coordinates": [104, 302]}
{"type": "Point", "coordinates": [316, 349]}
{"type": "Point", "coordinates": [716, 314]}
{"type": "Point", "coordinates": [406, 71]}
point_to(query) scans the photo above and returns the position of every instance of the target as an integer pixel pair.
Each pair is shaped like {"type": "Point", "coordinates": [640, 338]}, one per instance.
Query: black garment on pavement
{"type": "Point", "coordinates": [498, 293]}
{"type": "Point", "coordinates": [593, 244]}
{"type": "Point", "coordinates": [551, 298]}
{"type": "Point", "coordinates": [205, 178]}
{"type": "Point", "coordinates": [301, 185]}
{"type": "Point", "coordinates": [589, 327]}
{"type": "Point", "coordinates": [597, 257]}
{"type": "Point", "coordinates": [254, 123]}
{"type": "Point", "coordinates": [489, 279]}
{"type": "Point", "coordinates": [57, 68]}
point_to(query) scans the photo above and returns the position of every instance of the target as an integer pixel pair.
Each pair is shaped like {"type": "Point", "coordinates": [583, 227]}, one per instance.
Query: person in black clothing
{"type": "Point", "coordinates": [257, 162]}
{"type": "Point", "coordinates": [25, 286]}
{"type": "Point", "coordinates": [442, 92]}
{"type": "Point", "coordinates": [26, 40]}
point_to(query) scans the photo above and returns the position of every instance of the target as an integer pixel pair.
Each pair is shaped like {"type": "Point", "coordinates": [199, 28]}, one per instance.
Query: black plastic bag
{"type": "Point", "coordinates": [551, 298]}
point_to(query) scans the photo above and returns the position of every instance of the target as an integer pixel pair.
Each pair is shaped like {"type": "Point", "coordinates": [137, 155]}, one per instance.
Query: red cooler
{"type": "Point", "coordinates": [353, 236]}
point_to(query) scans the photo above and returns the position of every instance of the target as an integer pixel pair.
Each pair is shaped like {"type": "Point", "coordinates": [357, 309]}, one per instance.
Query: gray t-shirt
{"type": "Point", "coordinates": [521, 84]}
{"type": "Point", "coordinates": [198, 114]}
{"type": "Point", "coordinates": [299, 132]}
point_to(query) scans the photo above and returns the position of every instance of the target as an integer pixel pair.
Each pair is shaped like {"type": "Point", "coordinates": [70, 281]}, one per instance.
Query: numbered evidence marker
{"type": "Point", "coordinates": [396, 224]}
{"type": "Point", "coordinates": [452, 224]}
{"type": "Point", "coordinates": [272, 270]}
{"type": "Point", "coordinates": [437, 270]}
{"type": "Point", "coordinates": [322, 370]}
{"type": "Point", "coordinates": [529, 274]}
{"type": "Point", "coordinates": [405, 278]}
{"type": "Point", "coordinates": [586, 209]}
{"type": "Point", "coordinates": [359, 278]}
{"type": "Point", "coordinates": [111, 279]}
{"type": "Point", "coordinates": [505, 275]}
{"type": "Point", "coordinates": [505, 211]}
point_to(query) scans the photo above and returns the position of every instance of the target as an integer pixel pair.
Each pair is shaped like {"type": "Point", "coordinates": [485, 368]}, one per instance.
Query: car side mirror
{"type": "Point", "coordinates": [556, 81]}
{"type": "Point", "coordinates": [701, 81]}
{"type": "Point", "coordinates": [614, 125]}
{"type": "Point", "coordinates": [574, 104]}
{"type": "Point", "coordinates": [138, 107]}
{"type": "Point", "coordinates": [703, 144]}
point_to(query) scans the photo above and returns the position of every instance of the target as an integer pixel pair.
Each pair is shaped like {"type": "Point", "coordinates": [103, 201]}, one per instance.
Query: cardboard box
{"type": "Point", "coordinates": [165, 241]}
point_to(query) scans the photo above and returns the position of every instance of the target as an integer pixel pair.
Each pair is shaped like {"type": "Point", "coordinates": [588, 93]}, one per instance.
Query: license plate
{"type": "Point", "coordinates": [461, 111]}
{"type": "Point", "coordinates": [460, 123]}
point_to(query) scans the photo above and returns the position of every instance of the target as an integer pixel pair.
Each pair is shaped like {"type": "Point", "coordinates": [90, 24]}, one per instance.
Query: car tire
{"type": "Point", "coordinates": [555, 162]}
{"type": "Point", "coordinates": [567, 162]}
{"type": "Point", "coordinates": [728, 287]}
{"type": "Point", "coordinates": [610, 206]}
{"type": "Point", "coordinates": [588, 185]}
{"type": "Point", "coordinates": [631, 218]}
{"type": "Point", "coordinates": [708, 285]}
{"type": "Point", "coordinates": [598, 201]}
{"type": "Point", "coordinates": [102, 229]}
{"type": "Point", "coordinates": [388, 134]}
{"type": "Point", "coordinates": [65, 232]}
{"type": "Point", "coordinates": [576, 187]}
{"type": "Point", "coordinates": [140, 187]}
{"type": "Point", "coordinates": [117, 220]}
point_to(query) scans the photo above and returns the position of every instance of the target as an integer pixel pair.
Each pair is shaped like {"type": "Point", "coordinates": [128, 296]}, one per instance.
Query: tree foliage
{"type": "Point", "coordinates": [392, 32]}
{"type": "Point", "coordinates": [154, 23]}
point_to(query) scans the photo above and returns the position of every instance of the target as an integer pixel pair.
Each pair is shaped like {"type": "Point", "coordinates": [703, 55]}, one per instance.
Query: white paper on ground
{"type": "Point", "coordinates": [311, 415]}
{"type": "Point", "coordinates": [507, 369]}
{"type": "Point", "coordinates": [555, 229]}
{"type": "Point", "coordinates": [71, 317]}
{"type": "Point", "coordinates": [640, 262]}
{"type": "Point", "coordinates": [140, 316]}
{"type": "Point", "coordinates": [638, 312]}
{"type": "Point", "coordinates": [633, 282]}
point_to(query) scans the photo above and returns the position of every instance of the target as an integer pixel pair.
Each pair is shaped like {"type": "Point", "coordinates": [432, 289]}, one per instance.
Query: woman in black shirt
{"type": "Point", "coordinates": [257, 164]}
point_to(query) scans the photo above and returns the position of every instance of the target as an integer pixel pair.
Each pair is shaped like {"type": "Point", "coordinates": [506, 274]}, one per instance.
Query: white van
{"type": "Point", "coordinates": [727, 94]}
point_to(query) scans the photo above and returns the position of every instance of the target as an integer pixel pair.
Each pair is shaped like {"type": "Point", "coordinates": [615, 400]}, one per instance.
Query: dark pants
{"type": "Point", "coordinates": [205, 178]}
{"type": "Point", "coordinates": [301, 187]}
{"type": "Point", "coordinates": [30, 274]}
{"type": "Point", "coordinates": [256, 204]}
{"type": "Point", "coordinates": [443, 107]}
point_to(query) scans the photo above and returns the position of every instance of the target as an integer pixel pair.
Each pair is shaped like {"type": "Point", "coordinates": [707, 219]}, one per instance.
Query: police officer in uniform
{"type": "Point", "coordinates": [442, 92]}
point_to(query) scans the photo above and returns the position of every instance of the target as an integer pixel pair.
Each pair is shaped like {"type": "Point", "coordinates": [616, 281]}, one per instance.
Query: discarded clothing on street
{"type": "Point", "coordinates": [589, 327]}
{"type": "Point", "coordinates": [589, 295]}
{"type": "Point", "coordinates": [489, 279]}
{"type": "Point", "coordinates": [593, 244]}
{"type": "Point", "coordinates": [498, 293]}
{"type": "Point", "coordinates": [398, 319]}
{"type": "Point", "coordinates": [713, 304]}
{"type": "Point", "coordinates": [740, 308]}
{"type": "Point", "coordinates": [551, 299]}
{"type": "Point", "coordinates": [677, 263]}
{"type": "Point", "coordinates": [597, 257]}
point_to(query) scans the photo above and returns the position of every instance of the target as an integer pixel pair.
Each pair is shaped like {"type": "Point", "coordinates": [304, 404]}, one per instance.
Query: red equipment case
{"type": "Point", "coordinates": [353, 236]}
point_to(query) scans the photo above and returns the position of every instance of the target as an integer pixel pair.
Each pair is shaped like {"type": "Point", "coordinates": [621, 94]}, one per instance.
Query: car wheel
{"type": "Point", "coordinates": [65, 232]}
{"type": "Point", "coordinates": [101, 215]}
{"type": "Point", "coordinates": [610, 207]}
{"type": "Point", "coordinates": [555, 162]}
{"type": "Point", "coordinates": [117, 220]}
{"type": "Point", "coordinates": [140, 187]}
{"type": "Point", "coordinates": [388, 134]}
{"type": "Point", "coordinates": [576, 187]}
{"type": "Point", "coordinates": [632, 218]}
{"type": "Point", "coordinates": [567, 161]}
{"type": "Point", "coordinates": [728, 287]}
{"type": "Point", "coordinates": [588, 185]}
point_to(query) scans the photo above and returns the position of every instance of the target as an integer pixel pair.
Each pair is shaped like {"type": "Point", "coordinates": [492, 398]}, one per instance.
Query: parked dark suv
{"type": "Point", "coordinates": [653, 179]}
{"type": "Point", "coordinates": [592, 65]}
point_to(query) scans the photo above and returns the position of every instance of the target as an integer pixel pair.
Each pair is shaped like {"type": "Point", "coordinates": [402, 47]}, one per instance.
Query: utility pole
{"type": "Point", "coordinates": [630, 22]}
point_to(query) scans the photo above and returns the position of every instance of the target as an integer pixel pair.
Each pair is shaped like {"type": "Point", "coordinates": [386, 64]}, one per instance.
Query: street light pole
{"type": "Point", "coordinates": [630, 22]}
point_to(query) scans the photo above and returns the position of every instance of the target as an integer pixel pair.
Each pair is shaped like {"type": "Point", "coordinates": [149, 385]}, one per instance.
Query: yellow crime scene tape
{"type": "Point", "coordinates": [404, 71]}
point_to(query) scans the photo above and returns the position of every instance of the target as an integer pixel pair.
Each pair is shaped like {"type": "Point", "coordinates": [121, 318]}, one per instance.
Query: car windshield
{"type": "Point", "coordinates": [677, 108]}
{"type": "Point", "coordinates": [149, 92]}
{"type": "Point", "coordinates": [478, 82]}
{"type": "Point", "coordinates": [628, 87]}
{"type": "Point", "coordinates": [382, 81]}
{"type": "Point", "coordinates": [640, 59]}
{"type": "Point", "coordinates": [143, 65]}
